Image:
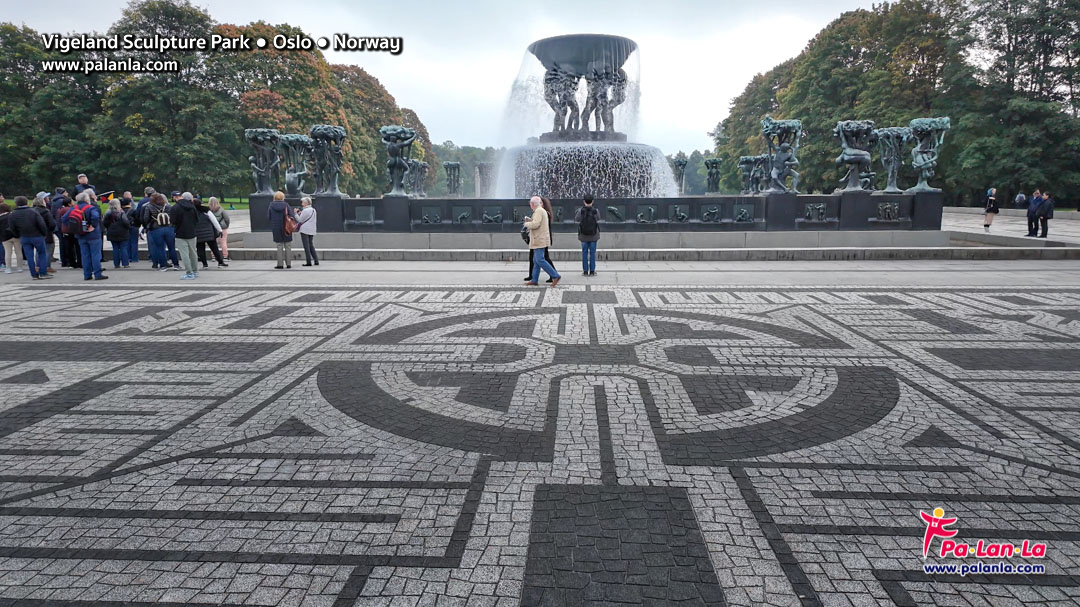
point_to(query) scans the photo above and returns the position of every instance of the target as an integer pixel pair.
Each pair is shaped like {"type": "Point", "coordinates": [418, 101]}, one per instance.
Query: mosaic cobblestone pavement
{"type": "Point", "coordinates": [503, 446]}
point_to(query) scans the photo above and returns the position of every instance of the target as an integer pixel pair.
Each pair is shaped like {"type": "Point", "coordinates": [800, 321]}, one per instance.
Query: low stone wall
{"type": "Point", "coordinates": [1073, 215]}
{"type": "Point", "coordinates": [852, 211]}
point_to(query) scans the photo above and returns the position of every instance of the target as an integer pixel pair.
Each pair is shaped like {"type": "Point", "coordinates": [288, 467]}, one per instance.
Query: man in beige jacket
{"type": "Point", "coordinates": [539, 238]}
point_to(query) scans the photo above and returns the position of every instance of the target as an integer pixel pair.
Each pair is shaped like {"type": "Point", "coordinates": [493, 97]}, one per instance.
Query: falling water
{"type": "Point", "coordinates": [563, 169]}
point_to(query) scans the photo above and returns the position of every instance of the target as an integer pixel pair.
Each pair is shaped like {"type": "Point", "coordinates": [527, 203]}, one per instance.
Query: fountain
{"type": "Point", "coordinates": [583, 153]}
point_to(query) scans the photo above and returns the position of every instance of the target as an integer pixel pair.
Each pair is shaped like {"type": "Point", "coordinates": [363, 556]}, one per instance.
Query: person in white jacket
{"type": "Point", "coordinates": [307, 221]}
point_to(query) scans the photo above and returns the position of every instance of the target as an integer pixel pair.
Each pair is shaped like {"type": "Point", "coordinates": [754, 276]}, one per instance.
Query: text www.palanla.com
{"type": "Point", "coordinates": [981, 568]}
{"type": "Point", "coordinates": [109, 65]}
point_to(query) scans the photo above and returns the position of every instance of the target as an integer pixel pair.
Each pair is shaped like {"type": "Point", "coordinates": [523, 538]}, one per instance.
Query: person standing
{"type": "Point", "coordinates": [1020, 201]}
{"type": "Point", "coordinates": [41, 208]}
{"type": "Point", "coordinates": [1033, 205]}
{"type": "Point", "coordinates": [278, 211]}
{"type": "Point", "coordinates": [69, 246]}
{"type": "Point", "coordinates": [184, 219]}
{"type": "Point", "coordinates": [7, 249]}
{"type": "Point", "coordinates": [160, 235]}
{"type": "Point", "coordinates": [118, 231]}
{"type": "Point", "coordinates": [1045, 212]}
{"type": "Point", "coordinates": [27, 225]}
{"type": "Point", "coordinates": [83, 185]}
{"type": "Point", "coordinates": [307, 220]}
{"type": "Point", "coordinates": [588, 219]}
{"type": "Point", "coordinates": [56, 208]}
{"type": "Point", "coordinates": [539, 225]}
{"type": "Point", "coordinates": [223, 220]}
{"type": "Point", "coordinates": [88, 215]}
{"type": "Point", "coordinates": [206, 233]}
{"type": "Point", "coordinates": [991, 209]}
{"type": "Point", "coordinates": [127, 205]}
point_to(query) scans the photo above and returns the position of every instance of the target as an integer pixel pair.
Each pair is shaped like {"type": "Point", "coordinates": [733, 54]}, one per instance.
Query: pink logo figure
{"type": "Point", "coordinates": [935, 527]}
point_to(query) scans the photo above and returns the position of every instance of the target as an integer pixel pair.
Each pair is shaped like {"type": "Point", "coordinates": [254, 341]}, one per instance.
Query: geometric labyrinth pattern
{"type": "Point", "coordinates": [506, 446]}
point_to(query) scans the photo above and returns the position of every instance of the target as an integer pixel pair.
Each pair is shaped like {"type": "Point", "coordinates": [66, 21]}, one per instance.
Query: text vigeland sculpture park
{"type": "Point", "coordinates": [570, 124]}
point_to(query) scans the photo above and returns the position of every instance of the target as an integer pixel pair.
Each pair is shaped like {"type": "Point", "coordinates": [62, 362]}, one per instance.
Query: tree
{"type": "Point", "coordinates": [368, 106]}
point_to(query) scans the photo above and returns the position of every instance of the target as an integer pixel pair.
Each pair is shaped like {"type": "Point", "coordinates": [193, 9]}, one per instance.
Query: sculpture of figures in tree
{"type": "Point", "coordinates": [453, 178]}
{"type": "Point", "coordinates": [930, 134]}
{"type": "Point", "coordinates": [679, 167]}
{"type": "Point", "coordinates": [757, 182]}
{"type": "Point", "coordinates": [327, 141]}
{"type": "Point", "coordinates": [712, 175]}
{"type": "Point", "coordinates": [891, 141]}
{"type": "Point", "coordinates": [485, 179]}
{"type": "Point", "coordinates": [856, 138]}
{"type": "Point", "coordinates": [560, 90]}
{"type": "Point", "coordinates": [421, 177]}
{"type": "Point", "coordinates": [746, 165]}
{"type": "Point", "coordinates": [410, 176]}
{"type": "Point", "coordinates": [297, 148]}
{"type": "Point", "coordinates": [782, 137]}
{"type": "Point", "coordinates": [398, 141]}
{"type": "Point", "coordinates": [264, 163]}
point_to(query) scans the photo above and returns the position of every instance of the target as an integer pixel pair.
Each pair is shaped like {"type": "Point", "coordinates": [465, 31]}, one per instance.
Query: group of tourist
{"type": "Point", "coordinates": [1040, 210]}
{"type": "Point", "coordinates": [81, 226]}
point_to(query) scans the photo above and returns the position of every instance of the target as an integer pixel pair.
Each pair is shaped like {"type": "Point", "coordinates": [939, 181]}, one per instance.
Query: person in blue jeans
{"type": "Point", "coordinates": [160, 235]}
{"type": "Point", "coordinates": [588, 219]}
{"type": "Point", "coordinates": [90, 239]}
{"type": "Point", "coordinates": [128, 206]}
{"type": "Point", "coordinates": [539, 238]}
{"type": "Point", "coordinates": [27, 225]}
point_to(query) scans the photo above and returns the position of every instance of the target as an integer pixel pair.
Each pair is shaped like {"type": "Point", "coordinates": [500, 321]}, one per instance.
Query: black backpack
{"type": "Point", "coordinates": [588, 226]}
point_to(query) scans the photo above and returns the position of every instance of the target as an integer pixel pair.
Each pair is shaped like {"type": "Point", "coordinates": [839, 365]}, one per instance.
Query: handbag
{"type": "Point", "coordinates": [290, 224]}
{"type": "Point", "coordinates": [525, 234]}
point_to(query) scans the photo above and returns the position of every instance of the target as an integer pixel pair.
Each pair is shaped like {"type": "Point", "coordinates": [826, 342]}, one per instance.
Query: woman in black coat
{"type": "Point", "coordinates": [277, 212]}
{"type": "Point", "coordinates": [118, 230]}
{"type": "Point", "coordinates": [207, 232]}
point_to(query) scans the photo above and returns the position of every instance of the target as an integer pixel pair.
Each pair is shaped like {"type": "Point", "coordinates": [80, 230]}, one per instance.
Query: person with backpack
{"type": "Point", "coordinates": [184, 218]}
{"type": "Point", "coordinates": [118, 231]}
{"type": "Point", "coordinates": [84, 222]}
{"type": "Point", "coordinates": [11, 261]}
{"type": "Point", "coordinates": [308, 219]}
{"type": "Point", "coordinates": [223, 220]}
{"type": "Point", "coordinates": [588, 218]}
{"type": "Point", "coordinates": [1044, 213]}
{"type": "Point", "coordinates": [27, 225]}
{"type": "Point", "coordinates": [69, 247]}
{"type": "Point", "coordinates": [206, 234]}
{"type": "Point", "coordinates": [160, 236]}
{"type": "Point", "coordinates": [539, 225]}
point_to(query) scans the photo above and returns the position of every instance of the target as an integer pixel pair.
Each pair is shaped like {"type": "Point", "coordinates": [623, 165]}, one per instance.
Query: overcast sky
{"type": "Point", "coordinates": [461, 58]}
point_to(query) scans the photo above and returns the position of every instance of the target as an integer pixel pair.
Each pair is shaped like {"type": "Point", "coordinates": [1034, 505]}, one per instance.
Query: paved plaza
{"type": "Point", "coordinates": [247, 441]}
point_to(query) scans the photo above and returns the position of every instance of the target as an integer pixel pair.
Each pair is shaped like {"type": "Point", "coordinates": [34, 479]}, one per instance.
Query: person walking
{"type": "Point", "coordinates": [551, 235]}
{"type": "Point", "coordinates": [539, 225]}
{"type": "Point", "coordinates": [307, 221]}
{"type": "Point", "coordinates": [27, 225]}
{"type": "Point", "coordinates": [206, 233]}
{"type": "Point", "coordinates": [7, 250]}
{"type": "Point", "coordinates": [223, 220]}
{"type": "Point", "coordinates": [1045, 213]}
{"type": "Point", "coordinates": [991, 209]}
{"type": "Point", "coordinates": [1033, 205]}
{"type": "Point", "coordinates": [588, 219]}
{"type": "Point", "coordinates": [184, 219]}
{"type": "Point", "coordinates": [278, 213]}
{"type": "Point", "coordinates": [41, 207]}
{"type": "Point", "coordinates": [118, 231]}
{"type": "Point", "coordinates": [84, 220]}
